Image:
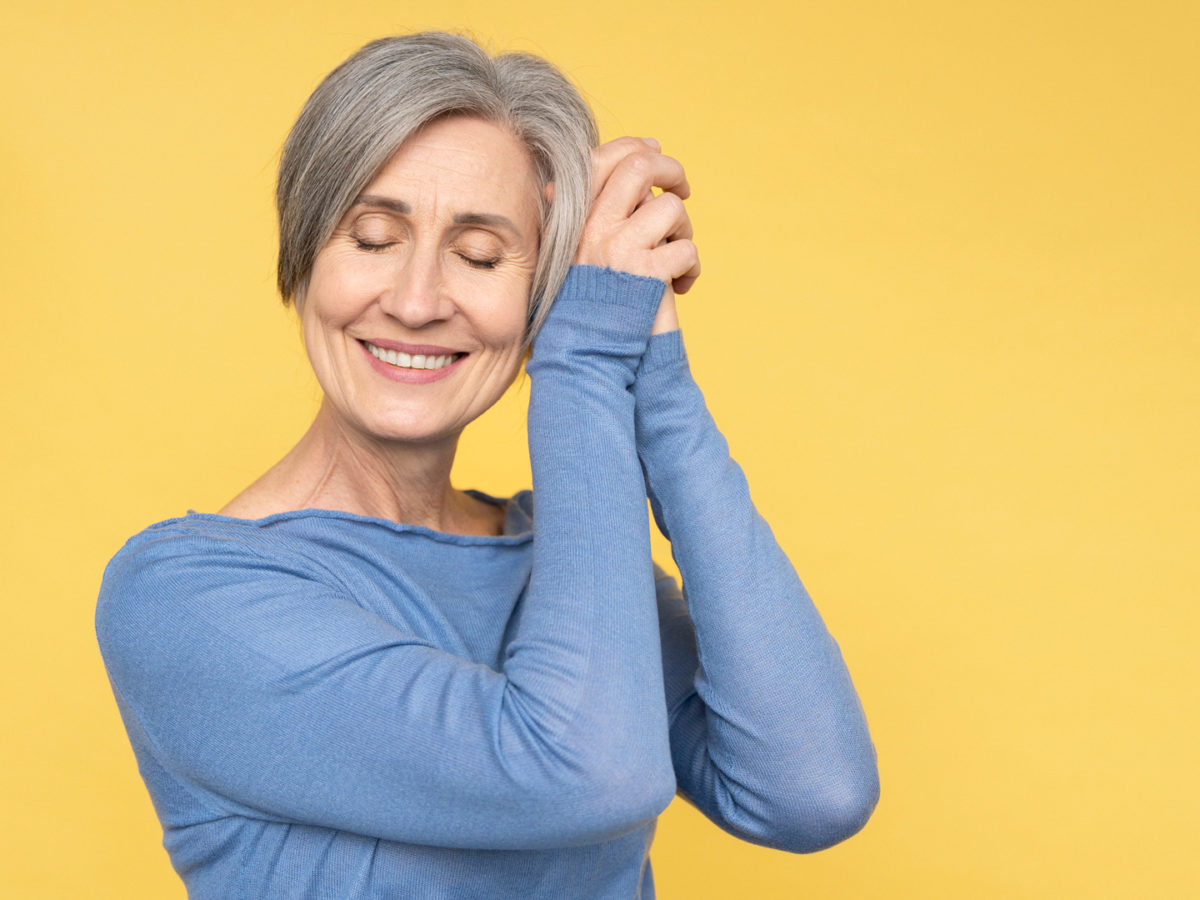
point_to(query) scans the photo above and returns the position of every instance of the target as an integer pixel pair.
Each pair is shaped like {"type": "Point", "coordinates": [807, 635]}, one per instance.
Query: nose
{"type": "Point", "coordinates": [417, 296]}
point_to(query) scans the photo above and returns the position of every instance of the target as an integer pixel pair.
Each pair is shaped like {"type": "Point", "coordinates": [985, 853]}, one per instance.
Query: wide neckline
{"type": "Point", "coordinates": [515, 516]}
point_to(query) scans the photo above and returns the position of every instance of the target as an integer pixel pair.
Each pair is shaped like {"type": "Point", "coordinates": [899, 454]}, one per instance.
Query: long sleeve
{"type": "Point", "coordinates": [259, 684]}
{"type": "Point", "coordinates": [767, 734]}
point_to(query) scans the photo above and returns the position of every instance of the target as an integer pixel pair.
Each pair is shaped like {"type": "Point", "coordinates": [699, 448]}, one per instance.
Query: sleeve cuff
{"type": "Point", "coordinates": [664, 350]}
{"type": "Point", "coordinates": [634, 298]}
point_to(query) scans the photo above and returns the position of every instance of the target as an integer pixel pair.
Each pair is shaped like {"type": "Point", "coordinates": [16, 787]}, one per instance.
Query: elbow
{"type": "Point", "coordinates": [592, 784]}
{"type": "Point", "coordinates": [841, 813]}
{"type": "Point", "coordinates": [618, 800]}
{"type": "Point", "coordinates": [588, 794]}
{"type": "Point", "coordinates": [825, 811]}
{"type": "Point", "coordinates": [822, 817]}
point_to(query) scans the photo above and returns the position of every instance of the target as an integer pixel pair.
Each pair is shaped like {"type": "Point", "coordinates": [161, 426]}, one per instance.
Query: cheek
{"type": "Point", "coordinates": [338, 293]}
{"type": "Point", "coordinates": [325, 312]}
{"type": "Point", "coordinates": [505, 324]}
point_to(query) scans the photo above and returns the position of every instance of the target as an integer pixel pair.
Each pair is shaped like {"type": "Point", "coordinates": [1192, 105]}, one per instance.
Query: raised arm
{"type": "Point", "coordinates": [256, 682]}
{"type": "Point", "coordinates": [767, 734]}
{"type": "Point", "coordinates": [268, 689]}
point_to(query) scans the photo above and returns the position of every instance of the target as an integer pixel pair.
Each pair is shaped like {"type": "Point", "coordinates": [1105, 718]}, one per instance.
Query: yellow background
{"type": "Point", "coordinates": [949, 321]}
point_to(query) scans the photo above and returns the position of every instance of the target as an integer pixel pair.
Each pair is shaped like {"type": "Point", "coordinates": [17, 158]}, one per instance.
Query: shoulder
{"type": "Point", "coordinates": [213, 542]}
{"type": "Point", "coordinates": [175, 569]}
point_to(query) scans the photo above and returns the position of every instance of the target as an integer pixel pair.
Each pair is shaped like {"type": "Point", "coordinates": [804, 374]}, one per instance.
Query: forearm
{"type": "Point", "coordinates": [584, 663]}
{"type": "Point", "coordinates": [773, 743]}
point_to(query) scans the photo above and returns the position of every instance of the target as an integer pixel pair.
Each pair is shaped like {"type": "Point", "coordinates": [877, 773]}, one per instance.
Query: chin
{"type": "Point", "coordinates": [381, 424]}
{"type": "Point", "coordinates": [408, 432]}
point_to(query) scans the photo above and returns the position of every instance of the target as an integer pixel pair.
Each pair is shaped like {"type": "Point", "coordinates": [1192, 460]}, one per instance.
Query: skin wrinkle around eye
{"type": "Point", "coordinates": [475, 257]}
{"type": "Point", "coordinates": [476, 225]}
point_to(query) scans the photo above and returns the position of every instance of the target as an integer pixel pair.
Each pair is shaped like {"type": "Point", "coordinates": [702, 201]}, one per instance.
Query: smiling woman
{"type": "Point", "coordinates": [441, 246]}
{"type": "Point", "coordinates": [358, 681]}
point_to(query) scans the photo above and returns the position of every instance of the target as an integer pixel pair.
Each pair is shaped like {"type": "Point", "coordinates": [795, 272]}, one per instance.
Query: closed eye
{"type": "Point", "coordinates": [480, 263]}
{"type": "Point", "coordinates": [370, 247]}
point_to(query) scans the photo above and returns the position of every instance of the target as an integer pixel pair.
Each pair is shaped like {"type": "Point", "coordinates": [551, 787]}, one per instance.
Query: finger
{"type": "Point", "coordinates": [639, 172]}
{"type": "Point", "coordinates": [633, 177]}
{"type": "Point", "coordinates": [606, 157]}
{"type": "Point", "coordinates": [684, 284]}
{"type": "Point", "coordinates": [662, 218]}
{"type": "Point", "coordinates": [678, 260]}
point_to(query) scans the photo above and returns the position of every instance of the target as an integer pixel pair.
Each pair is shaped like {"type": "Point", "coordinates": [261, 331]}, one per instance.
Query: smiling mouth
{"type": "Point", "coordinates": [402, 360]}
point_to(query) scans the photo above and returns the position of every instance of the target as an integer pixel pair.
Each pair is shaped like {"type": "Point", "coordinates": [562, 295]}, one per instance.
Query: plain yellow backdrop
{"type": "Point", "coordinates": [949, 321]}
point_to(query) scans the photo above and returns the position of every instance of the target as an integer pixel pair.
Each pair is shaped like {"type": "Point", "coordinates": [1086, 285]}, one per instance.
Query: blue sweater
{"type": "Point", "coordinates": [326, 705]}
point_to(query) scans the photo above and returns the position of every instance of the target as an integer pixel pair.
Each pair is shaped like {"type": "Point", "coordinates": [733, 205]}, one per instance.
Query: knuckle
{"type": "Point", "coordinates": [638, 163]}
{"type": "Point", "coordinates": [622, 147]}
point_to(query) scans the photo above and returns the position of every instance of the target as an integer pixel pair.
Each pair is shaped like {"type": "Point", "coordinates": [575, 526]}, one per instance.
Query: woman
{"type": "Point", "coordinates": [357, 681]}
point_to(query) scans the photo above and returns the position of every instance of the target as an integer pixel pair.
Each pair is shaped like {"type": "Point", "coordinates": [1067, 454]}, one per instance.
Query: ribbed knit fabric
{"type": "Point", "coordinates": [325, 705]}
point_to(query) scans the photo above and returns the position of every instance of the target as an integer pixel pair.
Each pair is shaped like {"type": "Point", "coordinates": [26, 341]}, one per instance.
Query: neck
{"type": "Point", "coordinates": [335, 466]}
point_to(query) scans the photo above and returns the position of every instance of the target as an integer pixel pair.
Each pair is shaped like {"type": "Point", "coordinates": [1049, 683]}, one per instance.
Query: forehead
{"type": "Point", "coordinates": [471, 164]}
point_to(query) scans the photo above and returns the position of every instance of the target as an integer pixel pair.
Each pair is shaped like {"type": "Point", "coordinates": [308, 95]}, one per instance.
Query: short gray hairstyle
{"type": "Point", "coordinates": [368, 106]}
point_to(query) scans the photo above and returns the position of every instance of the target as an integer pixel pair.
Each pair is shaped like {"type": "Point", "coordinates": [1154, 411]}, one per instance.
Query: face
{"type": "Point", "coordinates": [415, 309]}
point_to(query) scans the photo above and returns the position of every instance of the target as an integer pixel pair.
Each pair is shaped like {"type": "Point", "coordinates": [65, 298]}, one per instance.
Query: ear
{"type": "Point", "coordinates": [548, 192]}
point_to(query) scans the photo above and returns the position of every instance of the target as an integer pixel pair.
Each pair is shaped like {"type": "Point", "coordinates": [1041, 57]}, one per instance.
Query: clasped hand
{"type": "Point", "coordinates": [632, 229]}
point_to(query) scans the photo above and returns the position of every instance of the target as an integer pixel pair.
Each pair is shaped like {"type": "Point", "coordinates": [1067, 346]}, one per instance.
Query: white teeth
{"type": "Point", "coordinates": [405, 361]}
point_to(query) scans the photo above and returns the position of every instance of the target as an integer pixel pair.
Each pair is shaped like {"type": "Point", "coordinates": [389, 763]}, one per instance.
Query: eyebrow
{"type": "Point", "coordinates": [488, 219]}
{"type": "Point", "coordinates": [396, 206]}
{"type": "Point", "coordinates": [491, 220]}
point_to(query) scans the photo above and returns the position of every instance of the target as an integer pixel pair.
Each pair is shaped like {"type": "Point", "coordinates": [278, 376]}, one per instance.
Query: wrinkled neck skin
{"type": "Point", "coordinates": [335, 466]}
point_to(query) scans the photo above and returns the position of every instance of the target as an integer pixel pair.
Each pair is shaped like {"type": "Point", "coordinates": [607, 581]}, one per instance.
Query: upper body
{"type": "Point", "coordinates": [358, 681]}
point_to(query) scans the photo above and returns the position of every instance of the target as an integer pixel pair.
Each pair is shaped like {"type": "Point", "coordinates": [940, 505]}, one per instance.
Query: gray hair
{"type": "Point", "coordinates": [368, 106]}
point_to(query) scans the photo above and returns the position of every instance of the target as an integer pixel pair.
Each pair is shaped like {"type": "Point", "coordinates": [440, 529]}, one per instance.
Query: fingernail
{"type": "Point", "coordinates": [652, 143]}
